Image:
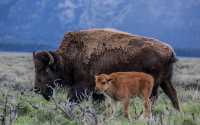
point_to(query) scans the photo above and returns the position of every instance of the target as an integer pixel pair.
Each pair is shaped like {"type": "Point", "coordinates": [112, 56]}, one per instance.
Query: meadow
{"type": "Point", "coordinates": [21, 106]}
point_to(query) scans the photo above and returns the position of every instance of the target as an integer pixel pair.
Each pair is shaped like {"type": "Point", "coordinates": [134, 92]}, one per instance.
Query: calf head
{"type": "Point", "coordinates": [103, 82]}
{"type": "Point", "coordinates": [48, 71]}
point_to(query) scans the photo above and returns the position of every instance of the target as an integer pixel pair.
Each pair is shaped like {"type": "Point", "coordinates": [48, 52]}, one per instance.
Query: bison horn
{"type": "Point", "coordinates": [51, 61]}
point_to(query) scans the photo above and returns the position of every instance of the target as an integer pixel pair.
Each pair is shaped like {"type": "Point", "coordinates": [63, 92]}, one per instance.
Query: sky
{"type": "Point", "coordinates": [44, 22]}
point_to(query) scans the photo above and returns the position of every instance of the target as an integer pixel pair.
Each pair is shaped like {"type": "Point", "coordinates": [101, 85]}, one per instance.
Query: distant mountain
{"type": "Point", "coordinates": [42, 23]}
{"type": "Point", "coordinates": [188, 52]}
{"type": "Point", "coordinates": [24, 47]}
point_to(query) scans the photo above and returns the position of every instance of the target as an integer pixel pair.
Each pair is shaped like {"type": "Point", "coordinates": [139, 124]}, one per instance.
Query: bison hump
{"type": "Point", "coordinates": [100, 39]}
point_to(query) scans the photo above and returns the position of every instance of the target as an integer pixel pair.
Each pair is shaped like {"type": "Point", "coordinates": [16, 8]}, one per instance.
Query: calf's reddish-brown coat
{"type": "Point", "coordinates": [121, 86]}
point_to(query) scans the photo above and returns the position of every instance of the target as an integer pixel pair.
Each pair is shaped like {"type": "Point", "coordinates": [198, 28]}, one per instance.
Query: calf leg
{"type": "Point", "coordinates": [147, 108]}
{"type": "Point", "coordinates": [170, 91]}
{"type": "Point", "coordinates": [126, 104]}
{"type": "Point", "coordinates": [147, 102]}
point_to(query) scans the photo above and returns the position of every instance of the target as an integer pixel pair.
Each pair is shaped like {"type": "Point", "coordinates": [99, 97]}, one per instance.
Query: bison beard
{"type": "Point", "coordinates": [84, 54]}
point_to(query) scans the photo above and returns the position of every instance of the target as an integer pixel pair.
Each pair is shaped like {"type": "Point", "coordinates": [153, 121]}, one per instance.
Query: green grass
{"type": "Point", "coordinates": [27, 108]}
{"type": "Point", "coordinates": [31, 109]}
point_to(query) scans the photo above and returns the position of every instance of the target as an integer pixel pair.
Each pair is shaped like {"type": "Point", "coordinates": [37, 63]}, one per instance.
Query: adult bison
{"type": "Point", "coordinates": [83, 54]}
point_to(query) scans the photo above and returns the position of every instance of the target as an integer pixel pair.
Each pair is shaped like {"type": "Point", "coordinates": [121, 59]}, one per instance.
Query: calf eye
{"type": "Point", "coordinates": [103, 83]}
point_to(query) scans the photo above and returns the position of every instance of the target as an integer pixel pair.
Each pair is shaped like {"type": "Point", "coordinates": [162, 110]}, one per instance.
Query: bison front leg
{"type": "Point", "coordinates": [170, 91]}
{"type": "Point", "coordinates": [79, 94]}
{"type": "Point", "coordinates": [98, 97]}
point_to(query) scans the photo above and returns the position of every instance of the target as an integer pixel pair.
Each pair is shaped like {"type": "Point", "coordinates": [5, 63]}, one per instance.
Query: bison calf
{"type": "Point", "coordinates": [121, 86]}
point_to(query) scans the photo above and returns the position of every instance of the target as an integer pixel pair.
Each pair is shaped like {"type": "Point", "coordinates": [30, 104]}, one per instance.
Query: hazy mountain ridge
{"type": "Point", "coordinates": [44, 22]}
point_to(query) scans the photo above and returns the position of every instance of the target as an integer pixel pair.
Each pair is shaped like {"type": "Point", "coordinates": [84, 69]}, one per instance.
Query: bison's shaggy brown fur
{"type": "Point", "coordinates": [121, 86]}
{"type": "Point", "coordinates": [85, 53]}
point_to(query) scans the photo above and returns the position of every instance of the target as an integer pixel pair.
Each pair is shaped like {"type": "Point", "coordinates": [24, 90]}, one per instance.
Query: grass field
{"type": "Point", "coordinates": [20, 106]}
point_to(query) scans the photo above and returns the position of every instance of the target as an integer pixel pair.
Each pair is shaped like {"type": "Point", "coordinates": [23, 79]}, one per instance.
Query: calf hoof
{"type": "Point", "coordinates": [126, 116]}
{"type": "Point", "coordinates": [141, 117]}
{"type": "Point", "coordinates": [144, 118]}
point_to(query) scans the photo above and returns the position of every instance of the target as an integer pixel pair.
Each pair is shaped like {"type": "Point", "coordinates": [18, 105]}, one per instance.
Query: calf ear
{"type": "Point", "coordinates": [109, 80]}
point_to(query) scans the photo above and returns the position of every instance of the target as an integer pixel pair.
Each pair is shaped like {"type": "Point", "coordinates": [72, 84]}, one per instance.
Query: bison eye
{"type": "Point", "coordinates": [48, 70]}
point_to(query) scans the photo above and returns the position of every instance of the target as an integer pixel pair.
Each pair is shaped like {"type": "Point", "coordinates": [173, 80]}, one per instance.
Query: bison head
{"type": "Point", "coordinates": [48, 71]}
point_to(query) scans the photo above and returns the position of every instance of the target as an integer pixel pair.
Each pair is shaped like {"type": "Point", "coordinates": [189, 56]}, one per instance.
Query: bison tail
{"type": "Point", "coordinates": [173, 58]}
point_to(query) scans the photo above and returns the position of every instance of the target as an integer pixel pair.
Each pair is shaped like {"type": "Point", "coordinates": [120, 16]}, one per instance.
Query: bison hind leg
{"type": "Point", "coordinates": [154, 94]}
{"type": "Point", "coordinates": [168, 88]}
{"type": "Point", "coordinates": [170, 91]}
